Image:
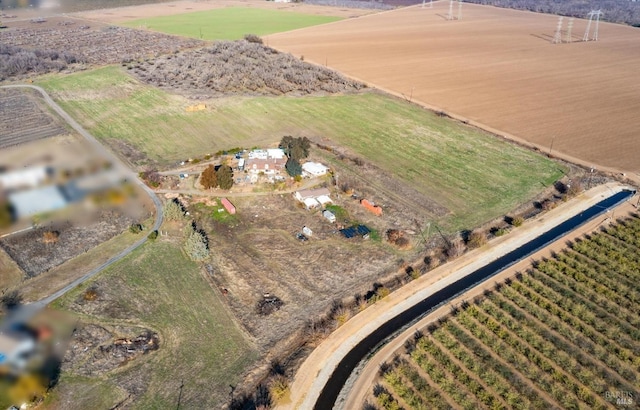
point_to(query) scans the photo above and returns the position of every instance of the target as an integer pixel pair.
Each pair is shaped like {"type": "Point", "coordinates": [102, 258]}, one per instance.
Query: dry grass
{"type": "Point", "coordinates": [11, 273]}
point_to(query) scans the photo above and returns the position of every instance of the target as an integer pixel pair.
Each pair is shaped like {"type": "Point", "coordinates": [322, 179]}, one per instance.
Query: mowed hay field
{"type": "Point", "coordinates": [562, 335]}
{"type": "Point", "coordinates": [475, 176]}
{"type": "Point", "coordinates": [229, 23]}
{"type": "Point", "coordinates": [497, 67]}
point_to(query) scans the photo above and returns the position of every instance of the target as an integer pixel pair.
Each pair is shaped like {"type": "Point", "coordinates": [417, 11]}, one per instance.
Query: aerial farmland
{"type": "Point", "coordinates": [499, 68]}
{"type": "Point", "coordinates": [441, 141]}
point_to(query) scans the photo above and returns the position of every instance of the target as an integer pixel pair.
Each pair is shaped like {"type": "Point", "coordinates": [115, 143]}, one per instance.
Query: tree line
{"type": "Point", "coordinates": [615, 11]}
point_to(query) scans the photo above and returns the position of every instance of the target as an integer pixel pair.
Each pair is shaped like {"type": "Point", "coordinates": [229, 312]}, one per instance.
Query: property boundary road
{"type": "Point", "coordinates": [131, 177]}
{"type": "Point", "coordinates": [320, 365]}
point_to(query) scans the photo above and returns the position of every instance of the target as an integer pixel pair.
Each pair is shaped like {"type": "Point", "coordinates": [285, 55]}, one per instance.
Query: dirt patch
{"type": "Point", "coordinates": [95, 350]}
{"type": "Point", "coordinates": [22, 119]}
{"type": "Point", "coordinates": [35, 254]}
{"type": "Point", "coordinates": [129, 152]}
{"type": "Point", "coordinates": [94, 43]}
{"type": "Point", "coordinates": [240, 68]}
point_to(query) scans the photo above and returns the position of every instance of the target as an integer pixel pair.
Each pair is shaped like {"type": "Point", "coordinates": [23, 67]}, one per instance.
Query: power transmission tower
{"type": "Point", "coordinates": [591, 15]}
{"type": "Point", "coordinates": [430, 3]}
{"type": "Point", "coordinates": [557, 38]}
{"type": "Point", "coordinates": [450, 16]}
{"type": "Point", "coordinates": [569, 39]}
{"type": "Point", "coordinates": [459, 9]}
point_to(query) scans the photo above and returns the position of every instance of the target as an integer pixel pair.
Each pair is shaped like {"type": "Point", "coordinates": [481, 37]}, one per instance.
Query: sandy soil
{"type": "Point", "coordinates": [498, 69]}
{"type": "Point", "coordinates": [122, 14]}
{"type": "Point", "coordinates": [316, 370]}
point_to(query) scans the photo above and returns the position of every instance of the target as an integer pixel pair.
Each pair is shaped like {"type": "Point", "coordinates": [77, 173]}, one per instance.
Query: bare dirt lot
{"type": "Point", "coordinates": [122, 14]}
{"type": "Point", "coordinates": [23, 119]}
{"type": "Point", "coordinates": [89, 41]}
{"type": "Point", "coordinates": [497, 68]}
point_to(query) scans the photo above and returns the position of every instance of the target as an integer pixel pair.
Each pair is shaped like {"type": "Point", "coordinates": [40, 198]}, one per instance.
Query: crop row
{"type": "Point", "coordinates": [563, 334]}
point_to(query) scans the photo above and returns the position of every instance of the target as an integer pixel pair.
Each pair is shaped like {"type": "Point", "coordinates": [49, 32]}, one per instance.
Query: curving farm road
{"type": "Point", "coordinates": [131, 177]}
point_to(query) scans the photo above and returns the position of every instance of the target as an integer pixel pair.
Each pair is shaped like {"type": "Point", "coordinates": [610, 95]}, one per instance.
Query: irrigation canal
{"type": "Point", "coordinates": [332, 389]}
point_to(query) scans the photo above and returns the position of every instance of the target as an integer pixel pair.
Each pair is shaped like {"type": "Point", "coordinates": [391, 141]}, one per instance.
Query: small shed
{"type": "Point", "coordinates": [228, 206]}
{"type": "Point", "coordinates": [329, 216]}
{"type": "Point", "coordinates": [371, 207]}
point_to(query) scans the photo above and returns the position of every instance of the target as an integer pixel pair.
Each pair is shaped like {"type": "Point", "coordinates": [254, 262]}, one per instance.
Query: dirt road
{"type": "Point", "coordinates": [316, 370]}
{"type": "Point", "coordinates": [131, 176]}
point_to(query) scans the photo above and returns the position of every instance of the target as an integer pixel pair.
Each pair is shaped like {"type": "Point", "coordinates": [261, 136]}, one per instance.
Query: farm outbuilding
{"type": "Point", "coordinates": [315, 169]}
{"type": "Point", "coordinates": [312, 198]}
{"type": "Point", "coordinates": [371, 207]}
{"type": "Point", "coordinates": [311, 193]}
{"type": "Point", "coordinates": [228, 206]}
{"type": "Point", "coordinates": [329, 216]}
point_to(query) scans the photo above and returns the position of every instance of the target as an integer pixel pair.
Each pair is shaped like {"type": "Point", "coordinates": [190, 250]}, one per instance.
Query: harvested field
{"type": "Point", "coordinates": [562, 335]}
{"type": "Point", "coordinates": [94, 43]}
{"type": "Point", "coordinates": [230, 23]}
{"type": "Point", "coordinates": [496, 67]}
{"type": "Point", "coordinates": [23, 118]}
{"type": "Point", "coordinates": [125, 14]}
{"type": "Point", "coordinates": [240, 68]}
{"type": "Point", "coordinates": [35, 255]}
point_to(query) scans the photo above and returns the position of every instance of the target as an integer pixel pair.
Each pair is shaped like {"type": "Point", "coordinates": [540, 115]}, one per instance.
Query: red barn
{"type": "Point", "coordinates": [228, 206]}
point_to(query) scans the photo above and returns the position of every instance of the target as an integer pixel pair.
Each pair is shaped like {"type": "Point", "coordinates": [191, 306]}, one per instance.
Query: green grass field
{"type": "Point", "coordinates": [158, 288]}
{"type": "Point", "coordinates": [229, 23]}
{"type": "Point", "coordinates": [475, 175]}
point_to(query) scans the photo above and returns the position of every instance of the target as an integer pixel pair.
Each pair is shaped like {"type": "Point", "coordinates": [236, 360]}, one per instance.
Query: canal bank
{"type": "Point", "coordinates": [327, 361]}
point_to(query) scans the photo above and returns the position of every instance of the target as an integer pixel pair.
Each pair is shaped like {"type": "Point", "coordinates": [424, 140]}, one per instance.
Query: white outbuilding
{"type": "Point", "coordinates": [314, 169]}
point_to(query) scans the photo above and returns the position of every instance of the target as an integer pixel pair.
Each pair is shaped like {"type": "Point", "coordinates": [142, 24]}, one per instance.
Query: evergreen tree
{"type": "Point", "coordinates": [293, 167]}
{"type": "Point", "coordinates": [225, 177]}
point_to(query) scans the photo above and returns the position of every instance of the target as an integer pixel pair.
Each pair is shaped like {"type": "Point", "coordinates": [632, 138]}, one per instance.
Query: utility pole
{"type": "Point", "coordinates": [557, 37]}
{"type": "Point", "coordinates": [591, 15]}
{"type": "Point", "coordinates": [551, 147]}
{"type": "Point", "coordinates": [569, 39]}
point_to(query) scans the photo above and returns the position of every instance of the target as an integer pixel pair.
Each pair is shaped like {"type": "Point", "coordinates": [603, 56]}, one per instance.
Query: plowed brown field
{"type": "Point", "coordinates": [497, 68]}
